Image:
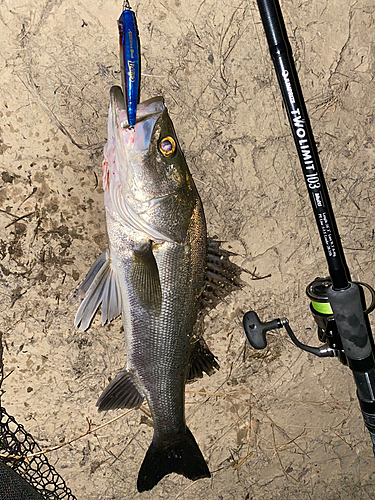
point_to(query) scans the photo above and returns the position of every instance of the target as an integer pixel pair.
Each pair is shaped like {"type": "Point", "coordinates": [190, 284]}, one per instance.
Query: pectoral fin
{"type": "Point", "coordinates": [144, 277]}
{"type": "Point", "coordinates": [99, 287]}
{"type": "Point", "coordinates": [120, 393]}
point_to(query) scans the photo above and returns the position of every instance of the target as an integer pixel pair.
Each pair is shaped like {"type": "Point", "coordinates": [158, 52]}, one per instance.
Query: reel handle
{"type": "Point", "coordinates": [255, 330]}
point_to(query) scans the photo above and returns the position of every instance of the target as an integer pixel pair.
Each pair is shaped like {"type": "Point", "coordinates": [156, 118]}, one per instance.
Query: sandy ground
{"type": "Point", "coordinates": [279, 424]}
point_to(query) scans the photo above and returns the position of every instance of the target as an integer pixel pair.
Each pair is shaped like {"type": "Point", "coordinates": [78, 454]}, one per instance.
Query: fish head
{"type": "Point", "coordinates": [147, 184]}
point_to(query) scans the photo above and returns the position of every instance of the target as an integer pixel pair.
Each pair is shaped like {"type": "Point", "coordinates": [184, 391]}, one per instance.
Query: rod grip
{"type": "Point", "coordinates": [350, 320]}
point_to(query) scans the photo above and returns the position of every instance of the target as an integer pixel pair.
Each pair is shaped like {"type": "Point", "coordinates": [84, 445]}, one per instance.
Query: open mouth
{"type": "Point", "coordinates": [136, 138]}
{"type": "Point", "coordinates": [145, 110]}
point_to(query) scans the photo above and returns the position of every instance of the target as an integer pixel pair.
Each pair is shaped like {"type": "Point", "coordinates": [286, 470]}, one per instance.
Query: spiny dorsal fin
{"type": "Point", "coordinates": [120, 393]}
{"type": "Point", "coordinates": [144, 277]}
{"type": "Point", "coordinates": [222, 276]}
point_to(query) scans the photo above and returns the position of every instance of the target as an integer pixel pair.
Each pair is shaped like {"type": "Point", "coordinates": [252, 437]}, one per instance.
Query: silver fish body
{"type": "Point", "coordinates": [153, 274]}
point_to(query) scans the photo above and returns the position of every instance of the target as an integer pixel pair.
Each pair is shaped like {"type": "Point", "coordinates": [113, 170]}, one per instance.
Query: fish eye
{"type": "Point", "coordinates": [167, 146]}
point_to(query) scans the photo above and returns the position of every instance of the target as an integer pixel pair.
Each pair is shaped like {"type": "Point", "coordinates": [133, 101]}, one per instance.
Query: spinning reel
{"type": "Point", "coordinates": [255, 330]}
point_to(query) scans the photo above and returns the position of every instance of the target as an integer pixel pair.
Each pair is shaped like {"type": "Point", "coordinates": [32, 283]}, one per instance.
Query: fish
{"type": "Point", "coordinates": [154, 275]}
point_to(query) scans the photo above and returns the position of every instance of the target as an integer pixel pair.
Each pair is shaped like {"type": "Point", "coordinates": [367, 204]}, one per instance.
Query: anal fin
{"type": "Point", "coordinates": [120, 393]}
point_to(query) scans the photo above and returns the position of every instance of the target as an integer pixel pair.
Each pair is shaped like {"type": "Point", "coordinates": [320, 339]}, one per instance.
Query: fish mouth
{"type": "Point", "coordinates": [148, 113]}
{"type": "Point", "coordinates": [145, 109]}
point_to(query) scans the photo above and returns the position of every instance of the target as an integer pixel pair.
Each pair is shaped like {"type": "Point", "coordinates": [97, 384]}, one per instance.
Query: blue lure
{"type": "Point", "coordinates": [129, 60]}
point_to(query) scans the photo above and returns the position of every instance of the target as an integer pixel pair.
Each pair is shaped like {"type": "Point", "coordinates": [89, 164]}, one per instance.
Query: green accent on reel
{"type": "Point", "coordinates": [322, 308]}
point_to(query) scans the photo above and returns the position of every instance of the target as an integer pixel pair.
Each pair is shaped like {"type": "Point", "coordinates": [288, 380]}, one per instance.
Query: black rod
{"type": "Point", "coordinates": [287, 76]}
{"type": "Point", "coordinates": [344, 297]}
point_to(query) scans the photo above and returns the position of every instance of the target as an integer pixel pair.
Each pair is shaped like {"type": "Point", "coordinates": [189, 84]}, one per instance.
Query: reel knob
{"type": "Point", "coordinates": [255, 330]}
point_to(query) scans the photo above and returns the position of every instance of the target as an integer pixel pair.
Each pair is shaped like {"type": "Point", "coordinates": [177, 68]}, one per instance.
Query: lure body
{"type": "Point", "coordinates": [130, 63]}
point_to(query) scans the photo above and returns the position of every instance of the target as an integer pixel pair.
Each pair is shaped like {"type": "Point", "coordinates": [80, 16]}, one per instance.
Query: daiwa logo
{"type": "Point", "coordinates": [288, 86]}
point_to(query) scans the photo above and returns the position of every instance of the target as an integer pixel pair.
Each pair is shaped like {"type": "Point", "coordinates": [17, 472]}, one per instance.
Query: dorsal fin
{"type": "Point", "coordinates": [201, 360]}
{"type": "Point", "coordinates": [222, 276]}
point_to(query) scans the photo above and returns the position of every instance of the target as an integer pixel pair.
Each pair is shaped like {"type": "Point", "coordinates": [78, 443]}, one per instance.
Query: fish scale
{"type": "Point", "coordinates": [163, 351]}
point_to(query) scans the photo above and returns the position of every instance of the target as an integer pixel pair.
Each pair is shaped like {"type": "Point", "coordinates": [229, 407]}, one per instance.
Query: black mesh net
{"type": "Point", "coordinates": [26, 477]}
{"type": "Point", "coordinates": [14, 487]}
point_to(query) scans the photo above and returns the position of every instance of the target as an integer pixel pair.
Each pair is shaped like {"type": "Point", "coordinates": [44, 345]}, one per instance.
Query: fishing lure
{"type": "Point", "coordinates": [129, 61]}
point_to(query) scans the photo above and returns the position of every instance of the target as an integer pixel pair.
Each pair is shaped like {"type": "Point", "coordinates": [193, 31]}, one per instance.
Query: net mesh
{"type": "Point", "coordinates": [36, 471]}
{"type": "Point", "coordinates": [14, 487]}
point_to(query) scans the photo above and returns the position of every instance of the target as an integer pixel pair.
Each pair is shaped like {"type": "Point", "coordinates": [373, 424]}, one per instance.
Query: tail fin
{"type": "Point", "coordinates": [182, 455]}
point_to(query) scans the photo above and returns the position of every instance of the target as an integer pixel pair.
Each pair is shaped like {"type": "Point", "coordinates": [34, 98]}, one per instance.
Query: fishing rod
{"type": "Point", "coordinates": [337, 303]}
